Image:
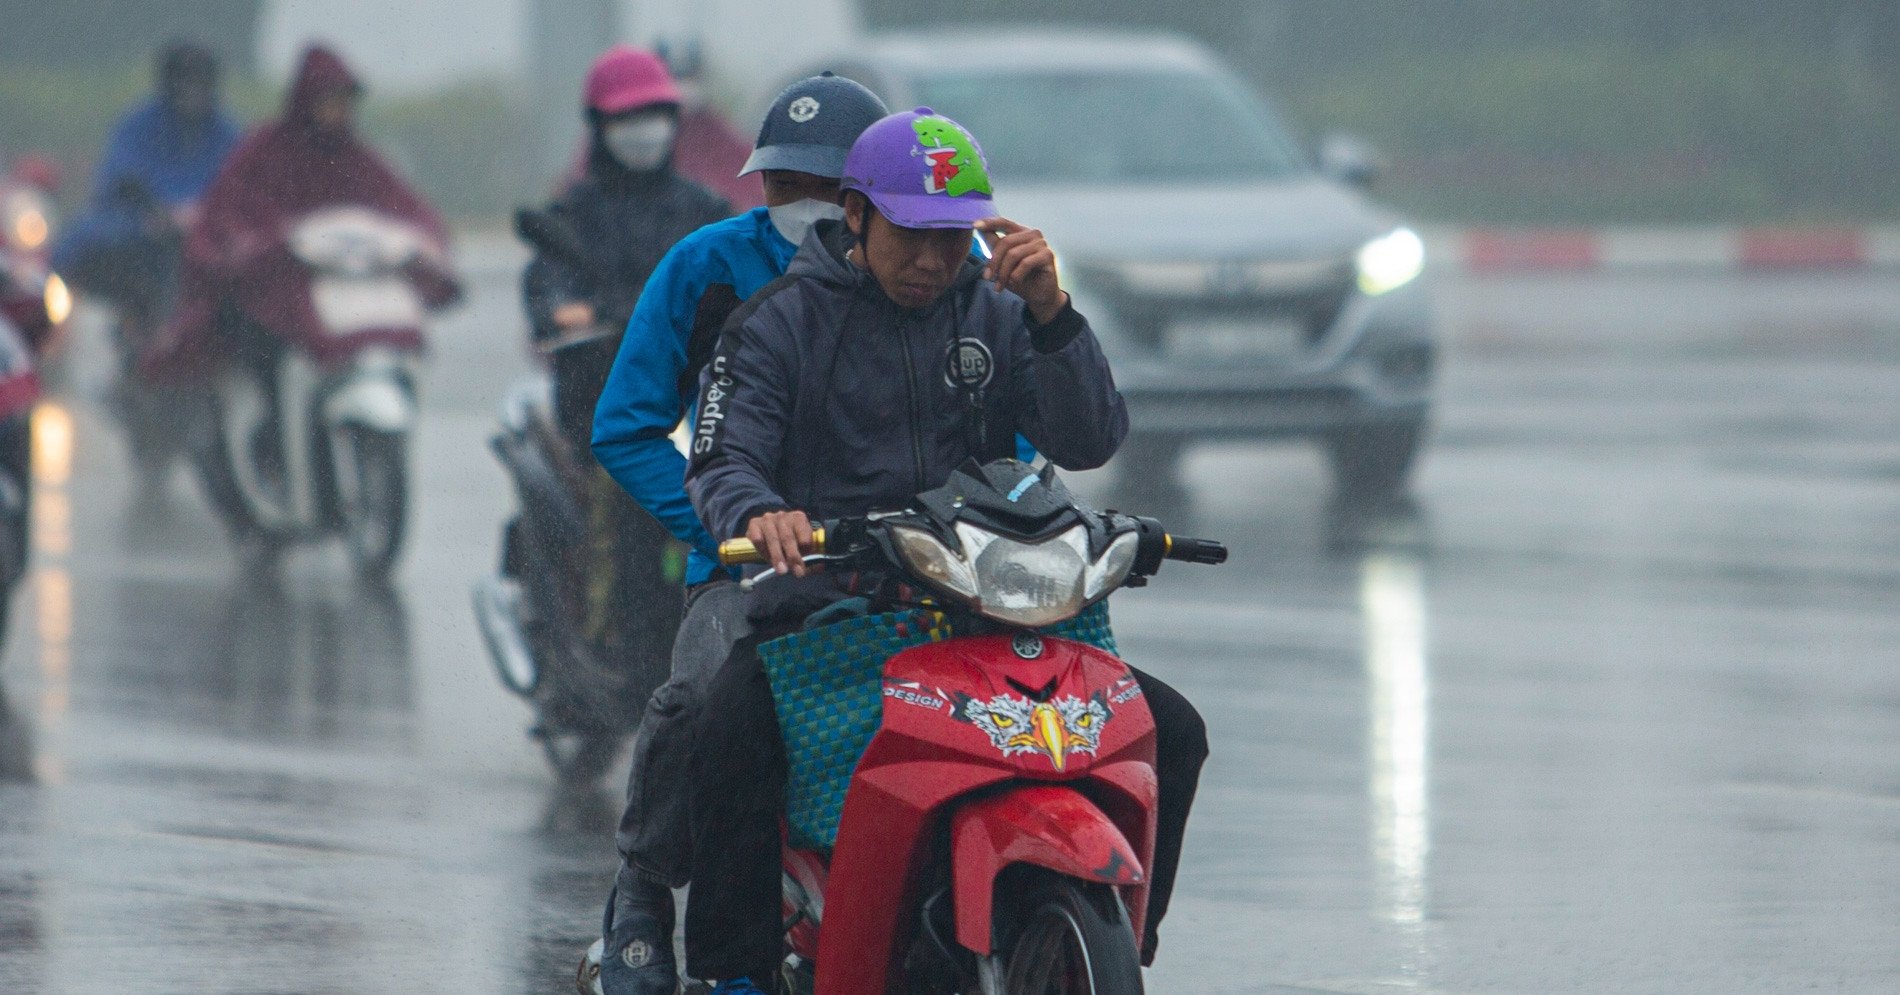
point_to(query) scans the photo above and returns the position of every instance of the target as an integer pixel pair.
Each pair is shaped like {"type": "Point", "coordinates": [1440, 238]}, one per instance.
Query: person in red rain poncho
{"type": "Point", "coordinates": [237, 255]}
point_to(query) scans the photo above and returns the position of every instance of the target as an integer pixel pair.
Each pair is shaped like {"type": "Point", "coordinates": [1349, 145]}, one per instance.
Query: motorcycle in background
{"type": "Point", "coordinates": [532, 613]}
{"type": "Point", "coordinates": [298, 451]}
{"type": "Point", "coordinates": [34, 300]}
{"type": "Point", "coordinates": [133, 281]}
{"type": "Point", "coordinates": [997, 756]}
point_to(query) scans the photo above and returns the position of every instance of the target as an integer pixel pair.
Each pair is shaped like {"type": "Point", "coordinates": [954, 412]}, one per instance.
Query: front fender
{"type": "Point", "coordinates": [377, 403]}
{"type": "Point", "coordinates": [1046, 825]}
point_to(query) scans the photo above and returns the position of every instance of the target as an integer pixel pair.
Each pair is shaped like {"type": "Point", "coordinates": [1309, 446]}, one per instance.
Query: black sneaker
{"type": "Point", "coordinates": [636, 957]}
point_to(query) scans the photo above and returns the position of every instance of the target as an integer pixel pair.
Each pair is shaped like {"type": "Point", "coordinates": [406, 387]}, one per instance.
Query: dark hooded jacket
{"type": "Point", "coordinates": [238, 251]}
{"type": "Point", "coordinates": [627, 220]}
{"type": "Point", "coordinates": [828, 397]}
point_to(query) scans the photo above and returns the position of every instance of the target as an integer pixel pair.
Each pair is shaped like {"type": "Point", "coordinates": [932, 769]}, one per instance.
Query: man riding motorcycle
{"type": "Point", "coordinates": [884, 360]}
{"type": "Point", "coordinates": [158, 164]}
{"type": "Point", "coordinates": [125, 249]}
{"type": "Point", "coordinates": [801, 150]}
{"type": "Point", "coordinates": [627, 210]}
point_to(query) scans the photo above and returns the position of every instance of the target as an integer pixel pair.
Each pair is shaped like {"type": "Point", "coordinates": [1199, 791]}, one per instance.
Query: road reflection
{"type": "Point", "coordinates": [316, 664]}
{"type": "Point", "coordinates": [312, 660]}
{"type": "Point", "coordinates": [1392, 593]}
{"type": "Point", "coordinates": [1389, 543]}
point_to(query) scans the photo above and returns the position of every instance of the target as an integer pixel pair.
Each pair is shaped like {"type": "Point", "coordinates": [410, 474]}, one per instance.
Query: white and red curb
{"type": "Point", "coordinates": [1724, 249]}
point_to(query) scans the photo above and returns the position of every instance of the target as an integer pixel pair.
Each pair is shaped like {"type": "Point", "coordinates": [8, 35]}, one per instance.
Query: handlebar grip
{"type": "Point", "coordinates": [741, 552]}
{"type": "Point", "coordinates": [1187, 550]}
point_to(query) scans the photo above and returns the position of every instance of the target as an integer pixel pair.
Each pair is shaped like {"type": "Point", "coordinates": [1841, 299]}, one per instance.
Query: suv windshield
{"type": "Point", "coordinates": [1131, 126]}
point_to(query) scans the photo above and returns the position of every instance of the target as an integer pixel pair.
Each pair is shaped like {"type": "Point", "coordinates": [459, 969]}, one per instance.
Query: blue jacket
{"type": "Point", "coordinates": [828, 397]}
{"type": "Point", "coordinates": [672, 333]}
{"type": "Point", "coordinates": [153, 148]}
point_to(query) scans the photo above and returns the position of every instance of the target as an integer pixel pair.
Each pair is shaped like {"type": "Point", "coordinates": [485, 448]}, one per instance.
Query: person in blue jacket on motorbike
{"type": "Point", "coordinates": [160, 160]}
{"type": "Point", "coordinates": [800, 153]}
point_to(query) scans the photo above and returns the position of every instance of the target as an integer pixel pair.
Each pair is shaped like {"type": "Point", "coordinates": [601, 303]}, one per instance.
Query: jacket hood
{"type": "Point", "coordinates": [320, 72]}
{"type": "Point", "coordinates": [822, 257]}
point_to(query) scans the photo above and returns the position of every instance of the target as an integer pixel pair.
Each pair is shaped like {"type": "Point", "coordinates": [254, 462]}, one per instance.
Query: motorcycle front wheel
{"type": "Point", "coordinates": [1070, 938]}
{"type": "Point", "coordinates": [375, 498]}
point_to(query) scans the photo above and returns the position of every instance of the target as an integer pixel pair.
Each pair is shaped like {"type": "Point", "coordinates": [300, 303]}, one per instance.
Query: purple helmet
{"type": "Point", "coordinates": [921, 170]}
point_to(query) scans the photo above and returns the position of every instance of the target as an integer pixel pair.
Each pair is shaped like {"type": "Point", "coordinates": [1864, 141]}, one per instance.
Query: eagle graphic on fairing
{"type": "Point", "coordinates": [1054, 729]}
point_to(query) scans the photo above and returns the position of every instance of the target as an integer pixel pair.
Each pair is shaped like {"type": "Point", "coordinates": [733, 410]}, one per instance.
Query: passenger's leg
{"type": "Point", "coordinates": [656, 832]}
{"type": "Point", "coordinates": [1180, 750]}
{"type": "Point", "coordinates": [733, 927]}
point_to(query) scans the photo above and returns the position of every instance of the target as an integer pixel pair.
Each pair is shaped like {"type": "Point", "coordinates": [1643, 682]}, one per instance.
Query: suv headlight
{"type": "Point", "coordinates": [1017, 583]}
{"type": "Point", "coordinates": [1390, 261]}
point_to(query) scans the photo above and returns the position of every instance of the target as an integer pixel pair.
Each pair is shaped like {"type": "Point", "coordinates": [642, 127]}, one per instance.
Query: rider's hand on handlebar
{"type": "Point", "coordinates": [1022, 262]}
{"type": "Point", "coordinates": [575, 315]}
{"type": "Point", "coordinates": [784, 537]}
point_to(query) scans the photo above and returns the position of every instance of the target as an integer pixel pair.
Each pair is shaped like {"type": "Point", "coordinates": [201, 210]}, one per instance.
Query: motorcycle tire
{"type": "Point", "coordinates": [376, 511]}
{"type": "Point", "coordinates": [579, 760]}
{"type": "Point", "coordinates": [1070, 937]}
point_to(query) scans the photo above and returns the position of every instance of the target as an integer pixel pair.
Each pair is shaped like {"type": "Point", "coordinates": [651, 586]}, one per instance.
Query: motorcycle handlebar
{"type": "Point", "coordinates": [1187, 550]}
{"type": "Point", "coordinates": [741, 552]}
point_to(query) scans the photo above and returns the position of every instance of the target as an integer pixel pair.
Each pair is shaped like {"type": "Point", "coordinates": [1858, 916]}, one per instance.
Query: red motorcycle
{"type": "Point", "coordinates": [996, 771]}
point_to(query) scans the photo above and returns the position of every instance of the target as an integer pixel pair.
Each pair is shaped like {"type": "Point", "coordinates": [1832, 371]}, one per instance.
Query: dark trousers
{"type": "Point", "coordinates": [733, 927]}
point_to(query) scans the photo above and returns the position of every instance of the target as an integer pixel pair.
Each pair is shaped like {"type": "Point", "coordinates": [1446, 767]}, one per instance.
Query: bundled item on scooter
{"type": "Point", "coordinates": [828, 686]}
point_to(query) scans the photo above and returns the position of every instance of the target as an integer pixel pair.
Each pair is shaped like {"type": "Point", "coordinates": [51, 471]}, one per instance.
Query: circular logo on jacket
{"type": "Point", "coordinates": [636, 954]}
{"type": "Point", "coordinates": [968, 364]}
{"type": "Point", "coordinates": [1027, 645]}
{"type": "Point", "coordinates": [803, 109]}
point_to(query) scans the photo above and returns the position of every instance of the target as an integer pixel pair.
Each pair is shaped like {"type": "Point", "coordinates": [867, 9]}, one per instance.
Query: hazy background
{"type": "Point", "coordinates": [1536, 112]}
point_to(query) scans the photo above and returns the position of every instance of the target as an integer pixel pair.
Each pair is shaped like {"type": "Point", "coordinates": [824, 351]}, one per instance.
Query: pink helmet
{"type": "Point", "coordinates": [625, 78]}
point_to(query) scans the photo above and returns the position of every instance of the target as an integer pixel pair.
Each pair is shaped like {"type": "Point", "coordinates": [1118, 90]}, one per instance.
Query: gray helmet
{"type": "Point", "coordinates": [812, 124]}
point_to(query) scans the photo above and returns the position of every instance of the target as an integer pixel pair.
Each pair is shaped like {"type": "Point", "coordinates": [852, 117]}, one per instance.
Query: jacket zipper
{"type": "Point", "coordinates": [916, 418]}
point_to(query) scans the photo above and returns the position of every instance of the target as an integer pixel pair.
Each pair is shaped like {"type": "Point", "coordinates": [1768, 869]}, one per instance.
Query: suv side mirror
{"type": "Point", "coordinates": [1350, 161]}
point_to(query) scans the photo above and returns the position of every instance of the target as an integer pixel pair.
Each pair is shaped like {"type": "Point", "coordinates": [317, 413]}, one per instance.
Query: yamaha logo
{"type": "Point", "coordinates": [1027, 645]}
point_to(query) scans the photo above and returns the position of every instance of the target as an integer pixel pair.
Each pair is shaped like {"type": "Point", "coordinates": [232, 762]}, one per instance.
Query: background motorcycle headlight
{"type": "Point", "coordinates": [1390, 261]}
{"type": "Point", "coordinates": [29, 220]}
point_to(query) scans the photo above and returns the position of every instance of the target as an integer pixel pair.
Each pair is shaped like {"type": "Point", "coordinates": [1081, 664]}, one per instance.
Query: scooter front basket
{"type": "Point", "coordinates": [827, 687]}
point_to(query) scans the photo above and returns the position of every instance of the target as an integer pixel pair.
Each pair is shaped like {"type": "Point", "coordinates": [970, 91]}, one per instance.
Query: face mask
{"type": "Point", "coordinates": [640, 144]}
{"type": "Point", "coordinates": [795, 219]}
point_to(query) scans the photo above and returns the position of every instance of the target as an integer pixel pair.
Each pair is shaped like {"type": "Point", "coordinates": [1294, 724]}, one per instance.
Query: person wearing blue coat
{"type": "Point", "coordinates": [655, 377]}
{"type": "Point", "coordinates": [159, 162]}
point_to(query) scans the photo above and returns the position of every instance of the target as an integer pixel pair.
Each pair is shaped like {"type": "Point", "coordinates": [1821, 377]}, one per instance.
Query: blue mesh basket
{"type": "Point", "coordinates": [827, 685]}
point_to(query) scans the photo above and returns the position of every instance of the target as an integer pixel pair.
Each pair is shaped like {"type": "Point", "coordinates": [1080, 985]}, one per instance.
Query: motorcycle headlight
{"type": "Point", "coordinates": [28, 219]}
{"type": "Point", "coordinates": [1390, 261]}
{"type": "Point", "coordinates": [1017, 583]}
{"type": "Point", "coordinates": [1107, 573]}
{"type": "Point", "coordinates": [933, 562]}
{"type": "Point", "coordinates": [59, 300]}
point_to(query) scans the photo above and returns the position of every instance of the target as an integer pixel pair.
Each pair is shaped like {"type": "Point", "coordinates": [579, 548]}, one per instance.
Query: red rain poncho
{"type": "Point", "coordinates": [238, 250]}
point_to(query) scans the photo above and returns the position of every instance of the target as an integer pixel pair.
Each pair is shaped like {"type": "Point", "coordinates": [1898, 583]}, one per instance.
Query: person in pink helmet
{"type": "Point", "coordinates": [625, 210]}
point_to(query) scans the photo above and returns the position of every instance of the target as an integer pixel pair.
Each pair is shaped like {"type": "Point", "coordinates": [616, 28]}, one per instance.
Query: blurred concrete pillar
{"type": "Point", "coordinates": [564, 36]}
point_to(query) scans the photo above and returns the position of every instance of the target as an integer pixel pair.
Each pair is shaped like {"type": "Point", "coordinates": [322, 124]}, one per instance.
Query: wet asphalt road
{"type": "Point", "coordinates": [1613, 707]}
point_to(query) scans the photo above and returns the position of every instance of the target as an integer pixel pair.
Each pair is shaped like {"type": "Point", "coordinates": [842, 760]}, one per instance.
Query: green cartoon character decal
{"type": "Point", "coordinates": [956, 167]}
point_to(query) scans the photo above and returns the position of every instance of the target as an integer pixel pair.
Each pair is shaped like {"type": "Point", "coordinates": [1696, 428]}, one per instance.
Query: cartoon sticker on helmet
{"type": "Point", "coordinates": [955, 165]}
{"type": "Point", "coordinates": [1056, 729]}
